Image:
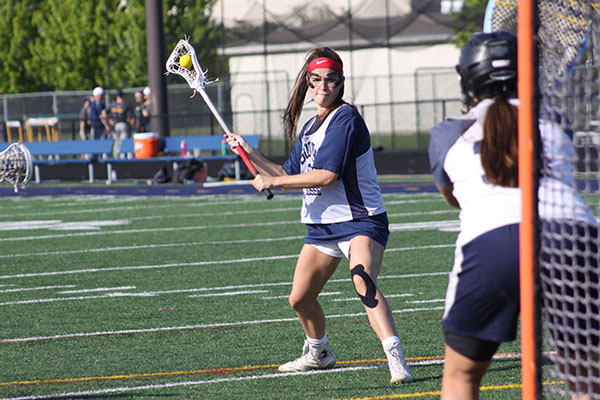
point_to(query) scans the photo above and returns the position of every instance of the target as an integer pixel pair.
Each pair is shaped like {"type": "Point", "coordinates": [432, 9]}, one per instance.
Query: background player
{"type": "Point", "coordinates": [474, 164]}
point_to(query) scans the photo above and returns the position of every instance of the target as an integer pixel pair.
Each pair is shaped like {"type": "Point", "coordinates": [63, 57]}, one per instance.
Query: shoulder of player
{"type": "Point", "coordinates": [446, 133]}
{"type": "Point", "coordinates": [346, 113]}
{"type": "Point", "coordinates": [349, 109]}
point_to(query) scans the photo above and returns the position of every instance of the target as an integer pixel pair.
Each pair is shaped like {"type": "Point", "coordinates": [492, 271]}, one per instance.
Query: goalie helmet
{"type": "Point", "coordinates": [488, 66]}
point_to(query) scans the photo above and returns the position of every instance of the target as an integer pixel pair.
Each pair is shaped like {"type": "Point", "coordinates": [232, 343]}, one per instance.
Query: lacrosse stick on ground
{"type": "Point", "coordinates": [183, 61]}
{"type": "Point", "coordinates": [16, 165]}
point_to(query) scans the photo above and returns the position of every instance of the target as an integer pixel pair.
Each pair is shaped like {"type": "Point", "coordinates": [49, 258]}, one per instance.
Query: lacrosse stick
{"type": "Point", "coordinates": [16, 165]}
{"type": "Point", "coordinates": [196, 79]}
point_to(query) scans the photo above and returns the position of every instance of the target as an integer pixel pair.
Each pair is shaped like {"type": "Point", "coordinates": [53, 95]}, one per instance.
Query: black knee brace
{"type": "Point", "coordinates": [368, 299]}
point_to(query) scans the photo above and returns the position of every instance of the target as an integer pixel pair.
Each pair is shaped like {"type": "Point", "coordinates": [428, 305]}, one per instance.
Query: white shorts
{"type": "Point", "coordinates": [334, 249]}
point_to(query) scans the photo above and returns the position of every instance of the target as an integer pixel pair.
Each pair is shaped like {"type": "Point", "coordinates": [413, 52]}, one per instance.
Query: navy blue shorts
{"type": "Point", "coordinates": [485, 304]}
{"type": "Point", "coordinates": [375, 227]}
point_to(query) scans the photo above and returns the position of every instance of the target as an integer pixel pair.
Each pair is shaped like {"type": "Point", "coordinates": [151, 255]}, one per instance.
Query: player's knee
{"type": "Point", "coordinates": [299, 304]}
{"type": "Point", "coordinates": [364, 286]}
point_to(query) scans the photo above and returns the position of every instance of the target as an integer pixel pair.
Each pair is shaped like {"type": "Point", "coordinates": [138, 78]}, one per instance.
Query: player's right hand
{"type": "Point", "coordinates": [235, 140]}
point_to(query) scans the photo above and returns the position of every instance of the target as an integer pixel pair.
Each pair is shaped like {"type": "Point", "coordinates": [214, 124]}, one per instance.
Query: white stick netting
{"type": "Point", "coordinates": [194, 75]}
{"type": "Point", "coordinates": [16, 165]}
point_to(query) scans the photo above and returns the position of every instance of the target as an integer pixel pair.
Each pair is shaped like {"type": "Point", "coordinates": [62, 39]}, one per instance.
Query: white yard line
{"type": "Point", "coordinates": [35, 288]}
{"type": "Point", "coordinates": [387, 296]}
{"type": "Point", "coordinates": [190, 264]}
{"type": "Point", "coordinates": [197, 326]}
{"type": "Point", "coordinates": [150, 246]}
{"type": "Point", "coordinates": [95, 210]}
{"type": "Point", "coordinates": [425, 301]}
{"type": "Point", "coordinates": [434, 225]}
{"type": "Point", "coordinates": [214, 291]}
{"type": "Point", "coordinates": [97, 290]}
{"type": "Point", "coordinates": [239, 292]}
{"type": "Point", "coordinates": [150, 230]}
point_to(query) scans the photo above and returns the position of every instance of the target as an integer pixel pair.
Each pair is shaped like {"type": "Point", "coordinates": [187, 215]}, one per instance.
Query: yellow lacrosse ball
{"type": "Point", "coordinates": [185, 61]}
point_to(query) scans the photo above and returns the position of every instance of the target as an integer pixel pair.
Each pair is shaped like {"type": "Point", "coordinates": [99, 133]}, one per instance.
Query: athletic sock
{"type": "Point", "coordinates": [388, 341]}
{"type": "Point", "coordinates": [317, 342]}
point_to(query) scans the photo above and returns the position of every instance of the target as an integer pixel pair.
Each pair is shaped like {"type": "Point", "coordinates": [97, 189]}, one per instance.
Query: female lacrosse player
{"type": "Point", "coordinates": [474, 164]}
{"type": "Point", "coordinates": [342, 209]}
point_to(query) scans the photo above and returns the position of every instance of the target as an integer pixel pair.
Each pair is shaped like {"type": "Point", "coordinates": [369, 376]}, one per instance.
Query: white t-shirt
{"type": "Point", "coordinates": [455, 160]}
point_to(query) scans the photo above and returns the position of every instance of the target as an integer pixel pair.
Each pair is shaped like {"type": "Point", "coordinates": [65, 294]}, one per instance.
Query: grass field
{"type": "Point", "coordinates": [115, 297]}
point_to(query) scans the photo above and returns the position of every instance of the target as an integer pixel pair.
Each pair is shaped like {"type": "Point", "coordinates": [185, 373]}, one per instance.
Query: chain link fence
{"type": "Point", "coordinates": [399, 109]}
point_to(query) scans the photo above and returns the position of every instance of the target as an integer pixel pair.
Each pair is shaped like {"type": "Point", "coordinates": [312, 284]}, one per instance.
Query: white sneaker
{"type": "Point", "coordinates": [319, 357]}
{"type": "Point", "coordinates": [399, 369]}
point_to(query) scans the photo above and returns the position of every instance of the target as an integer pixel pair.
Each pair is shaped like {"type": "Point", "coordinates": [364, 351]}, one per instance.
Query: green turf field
{"type": "Point", "coordinates": [186, 298]}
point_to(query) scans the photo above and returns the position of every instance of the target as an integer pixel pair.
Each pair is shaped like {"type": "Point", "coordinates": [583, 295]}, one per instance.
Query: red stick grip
{"type": "Point", "coordinates": [247, 161]}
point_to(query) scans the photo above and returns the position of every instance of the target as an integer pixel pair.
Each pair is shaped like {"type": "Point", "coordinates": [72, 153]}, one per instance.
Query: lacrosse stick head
{"type": "Point", "coordinates": [16, 165]}
{"type": "Point", "coordinates": [194, 75]}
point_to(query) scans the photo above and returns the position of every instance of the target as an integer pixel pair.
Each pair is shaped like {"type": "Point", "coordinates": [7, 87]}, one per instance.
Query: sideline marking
{"type": "Point", "coordinates": [438, 393]}
{"type": "Point", "coordinates": [179, 384]}
{"type": "Point", "coordinates": [413, 361]}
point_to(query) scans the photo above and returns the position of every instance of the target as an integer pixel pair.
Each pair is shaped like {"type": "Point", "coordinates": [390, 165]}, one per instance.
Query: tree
{"type": "Point", "coordinates": [16, 30]}
{"type": "Point", "coordinates": [68, 52]}
{"type": "Point", "coordinates": [472, 14]}
{"type": "Point", "coordinates": [191, 18]}
{"type": "Point", "coordinates": [62, 44]}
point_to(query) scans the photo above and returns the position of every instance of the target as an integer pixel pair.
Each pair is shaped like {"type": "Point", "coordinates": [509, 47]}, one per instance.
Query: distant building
{"type": "Point", "coordinates": [386, 46]}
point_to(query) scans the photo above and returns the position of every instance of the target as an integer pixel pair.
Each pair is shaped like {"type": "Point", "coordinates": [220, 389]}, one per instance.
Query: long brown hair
{"type": "Point", "coordinates": [296, 103]}
{"type": "Point", "coordinates": [499, 147]}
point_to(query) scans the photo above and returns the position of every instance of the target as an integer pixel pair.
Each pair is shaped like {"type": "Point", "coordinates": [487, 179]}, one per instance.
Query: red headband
{"type": "Point", "coordinates": [324, 62]}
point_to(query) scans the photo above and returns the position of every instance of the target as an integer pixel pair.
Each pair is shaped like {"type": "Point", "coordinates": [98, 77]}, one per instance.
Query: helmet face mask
{"type": "Point", "coordinates": [488, 67]}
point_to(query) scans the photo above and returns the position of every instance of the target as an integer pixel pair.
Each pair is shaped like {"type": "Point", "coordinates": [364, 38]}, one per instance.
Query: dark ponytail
{"type": "Point", "coordinates": [499, 148]}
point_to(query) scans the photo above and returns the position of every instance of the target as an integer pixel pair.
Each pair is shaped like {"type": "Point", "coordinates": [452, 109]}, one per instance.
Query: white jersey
{"type": "Point", "coordinates": [455, 160]}
{"type": "Point", "coordinates": [341, 144]}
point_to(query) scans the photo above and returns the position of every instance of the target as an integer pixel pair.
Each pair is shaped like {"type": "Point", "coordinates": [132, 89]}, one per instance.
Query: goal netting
{"type": "Point", "coordinates": [564, 266]}
{"type": "Point", "coordinates": [569, 142]}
